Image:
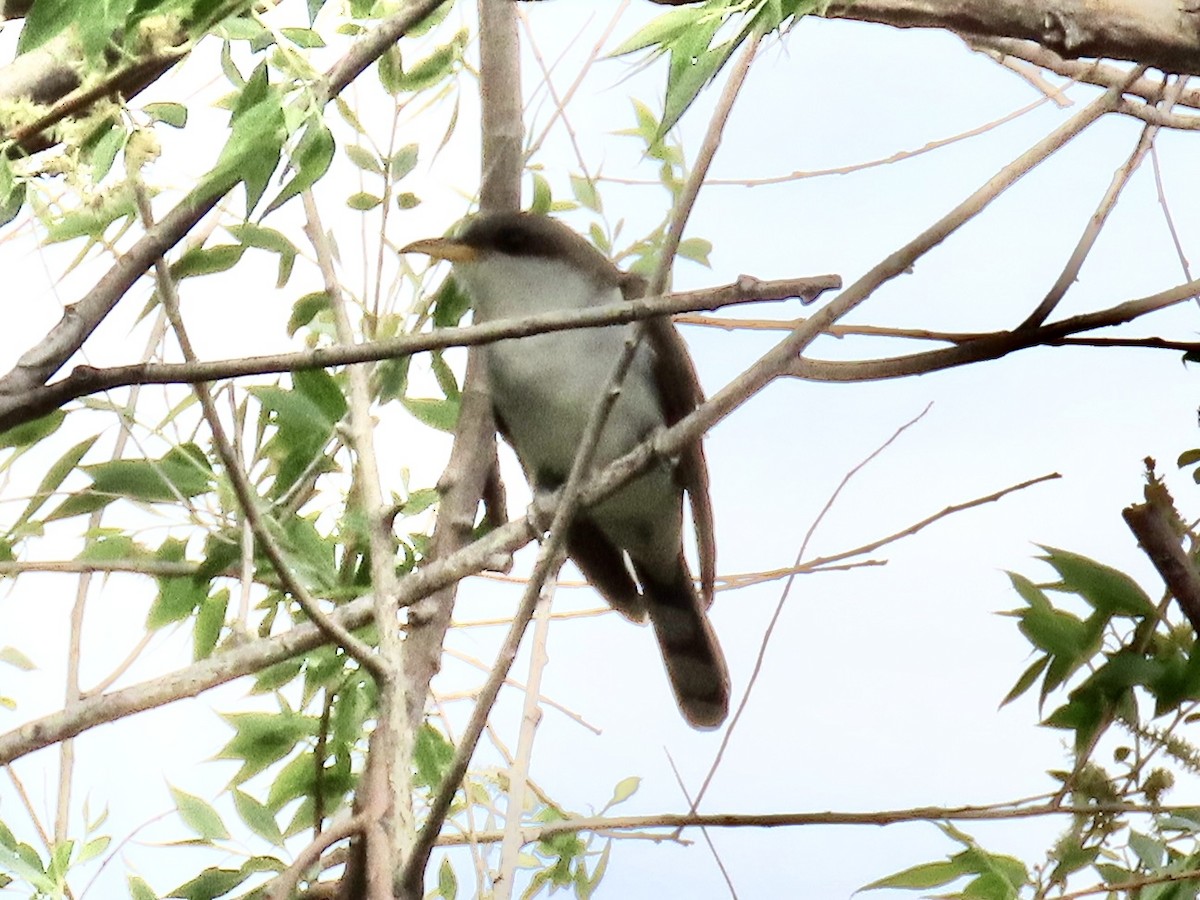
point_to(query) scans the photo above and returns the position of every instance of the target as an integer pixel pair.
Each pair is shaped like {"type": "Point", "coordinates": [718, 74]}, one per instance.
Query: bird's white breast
{"type": "Point", "coordinates": [545, 386]}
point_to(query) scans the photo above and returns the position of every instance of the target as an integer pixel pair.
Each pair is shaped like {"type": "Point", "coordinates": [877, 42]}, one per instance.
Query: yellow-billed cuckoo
{"type": "Point", "coordinates": [544, 388]}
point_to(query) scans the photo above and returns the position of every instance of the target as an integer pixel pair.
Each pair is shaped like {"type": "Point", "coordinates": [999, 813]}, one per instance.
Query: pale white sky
{"type": "Point", "coordinates": [881, 685]}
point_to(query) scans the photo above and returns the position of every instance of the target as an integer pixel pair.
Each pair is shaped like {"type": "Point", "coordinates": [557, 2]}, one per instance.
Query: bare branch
{"type": "Point", "coordinates": [518, 772]}
{"type": "Point", "coordinates": [1158, 528]}
{"type": "Point", "coordinates": [1159, 33]}
{"type": "Point", "coordinates": [987, 813]}
{"type": "Point", "coordinates": [1002, 343]}
{"type": "Point", "coordinates": [282, 886]}
{"type": "Point", "coordinates": [83, 380]}
{"type": "Point", "coordinates": [1108, 203]}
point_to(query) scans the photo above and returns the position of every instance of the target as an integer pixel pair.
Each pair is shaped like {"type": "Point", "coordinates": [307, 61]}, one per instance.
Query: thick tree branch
{"type": "Point", "coordinates": [1158, 528]}
{"type": "Point", "coordinates": [1001, 343]}
{"type": "Point", "coordinates": [1164, 34]}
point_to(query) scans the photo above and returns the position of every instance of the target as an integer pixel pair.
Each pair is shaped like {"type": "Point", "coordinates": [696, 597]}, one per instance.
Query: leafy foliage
{"type": "Point", "coordinates": [1127, 664]}
{"type": "Point", "coordinates": [690, 38]}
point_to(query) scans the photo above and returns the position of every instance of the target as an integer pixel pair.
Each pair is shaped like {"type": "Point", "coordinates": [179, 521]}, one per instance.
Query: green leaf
{"type": "Point", "coordinates": [310, 161]}
{"type": "Point", "coordinates": [364, 158]}
{"type": "Point", "coordinates": [27, 866]}
{"type": "Point", "coordinates": [303, 37]}
{"type": "Point", "coordinates": [78, 505]}
{"type": "Point", "coordinates": [207, 260]}
{"type": "Point", "coordinates": [104, 546]}
{"type": "Point", "coordinates": [139, 889]}
{"type": "Point", "coordinates": [104, 150]}
{"type": "Point", "coordinates": [1028, 677]}
{"type": "Point", "coordinates": [660, 30]}
{"type": "Point", "coordinates": [445, 376]}
{"type": "Point", "coordinates": [93, 220]}
{"type": "Point", "coordinates": [210, 883]}
{"type": "Point", "coordinates": [199, 816]}
{"type": "Point", "coordinates": [183, 472]}
{"type": "Point", "coordinates": [12, 192]}
{"type": "Point", "coordinates": [391, 70]}
{"type": "Point", "coordinates": [407, 200]}
{"type": "Point", "coordinates": [1056, 631]}
{"type": "Point", "coordinates": [542, 198]}
{"type": "Point", "coordinates": [272, 241]}
{"type": "Point", "coordinates": [419, 501]}
{"type": "Point", "coordinates": [403, 161]}
{"type": "Point", "coordinates": [177, 598]}
{"type": "Point", "coordinates": [692, 77]}
{"type": "Point", "coordinates": [311, 555]}
{"type": "Point", "coordinates": [431, 756]}
{"type": "Point", "coordinates": [363, 201]}
{"type": "Point", "coordinates": [29, 433]}
{"type": "Point", "coordinates": [323, 390]}
{"type": "Point", "coordinates": [447, 882]}
{"type": "Point", "coordinates": [1150, 851]}
{"type": "Point", "coordinates": [44, 20]}
{"type": "Point", "coordinates": [15, 658]}
{"type": "Point", "coordinates": [302, 429]}
{"type": "Point", "coordinates": [439, 414]}
{"type": "Point", "coordinates": [449, 305]}
{"type": "Point", "coordinates": [209, 621]}
{"type": "Point", "coordinates": [429, 71]}
{"type": "Point", "coordinates": [261, 739]}
{"type": "Point", "coordinates": [585, 192]}
{"type": "Point", "coordinates": [296, 779]}
{"type": "Point", "coordinates": [1189, 458]}
{"type": "Point", "coordinates": [927, 875]}
{"type": "Point", "coordinates": [306, 309]}
{"type": "Point", "coordinates": [1104, 587]}
{"type": "Point", "coordinates": [173, 114]}
{"type": "Point", "coordinates": [54, 477]}
{"type": "Point", "coordinates": [1081, 714]}
{"type": "Point", "coordinates": [92, 849]}
{"type": "Point", "coordinates": [696, 249]}
{"type": "Point", "coordinates": [252, 152]}
{"type": "Point", "coordinates": [258, 817]}
{"type": "Point", "coordinates": [625, 789]}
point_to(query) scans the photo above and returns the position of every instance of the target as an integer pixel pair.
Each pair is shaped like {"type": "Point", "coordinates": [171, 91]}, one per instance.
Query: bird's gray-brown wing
{"type": "Point", "coordinates": [679, 388]}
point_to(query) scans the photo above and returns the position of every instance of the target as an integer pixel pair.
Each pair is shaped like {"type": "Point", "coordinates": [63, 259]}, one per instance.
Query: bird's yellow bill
{"type": "Point", "coordinates": [442, 248]}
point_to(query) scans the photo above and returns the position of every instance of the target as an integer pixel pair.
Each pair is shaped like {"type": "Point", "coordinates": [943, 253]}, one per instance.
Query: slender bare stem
{"type": "Point", "coordinates": [518, 772]}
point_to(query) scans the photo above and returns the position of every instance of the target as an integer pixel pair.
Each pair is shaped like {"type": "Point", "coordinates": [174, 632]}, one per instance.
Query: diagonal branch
{"type": "Point", "coordinates": [1096, 223]}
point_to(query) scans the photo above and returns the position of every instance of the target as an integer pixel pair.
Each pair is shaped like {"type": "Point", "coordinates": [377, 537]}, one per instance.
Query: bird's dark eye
{"type": "Point", "coordinates": [513, 241]}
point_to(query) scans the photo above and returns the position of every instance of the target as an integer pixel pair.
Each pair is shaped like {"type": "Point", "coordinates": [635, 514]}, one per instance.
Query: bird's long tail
{"type": "Point", "coordinates": [694, 662]}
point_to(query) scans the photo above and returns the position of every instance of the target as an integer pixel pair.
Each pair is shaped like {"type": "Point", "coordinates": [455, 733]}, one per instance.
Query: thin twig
{"type": "Point", "coordinates": [518, 772]}
{"type": "Point", "coordinates": [986, 813]}
{"type": "Point", "coordinates": [84, 380]}
{"type": "Point", "coordinates": [237, 477]}
{"type": "Point", "coordinates": [74, 692]}
{"type": "Point", "coordinates": [787, 590]}
{"type": "Point", "coordinates": [393, 729]}
{"type": "Point", "coordinates": [571, 497]}
{"type": "Point", "coordinates": [896, 157]}
{"type": "Point", "coordinates": [1096, 223]}
{"type": "Point", "coordinates": [708, 149]}
{"type": "Point", "coordinates": [712, 848]}
{"type": "Point", "coordinates": [513, 682]}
